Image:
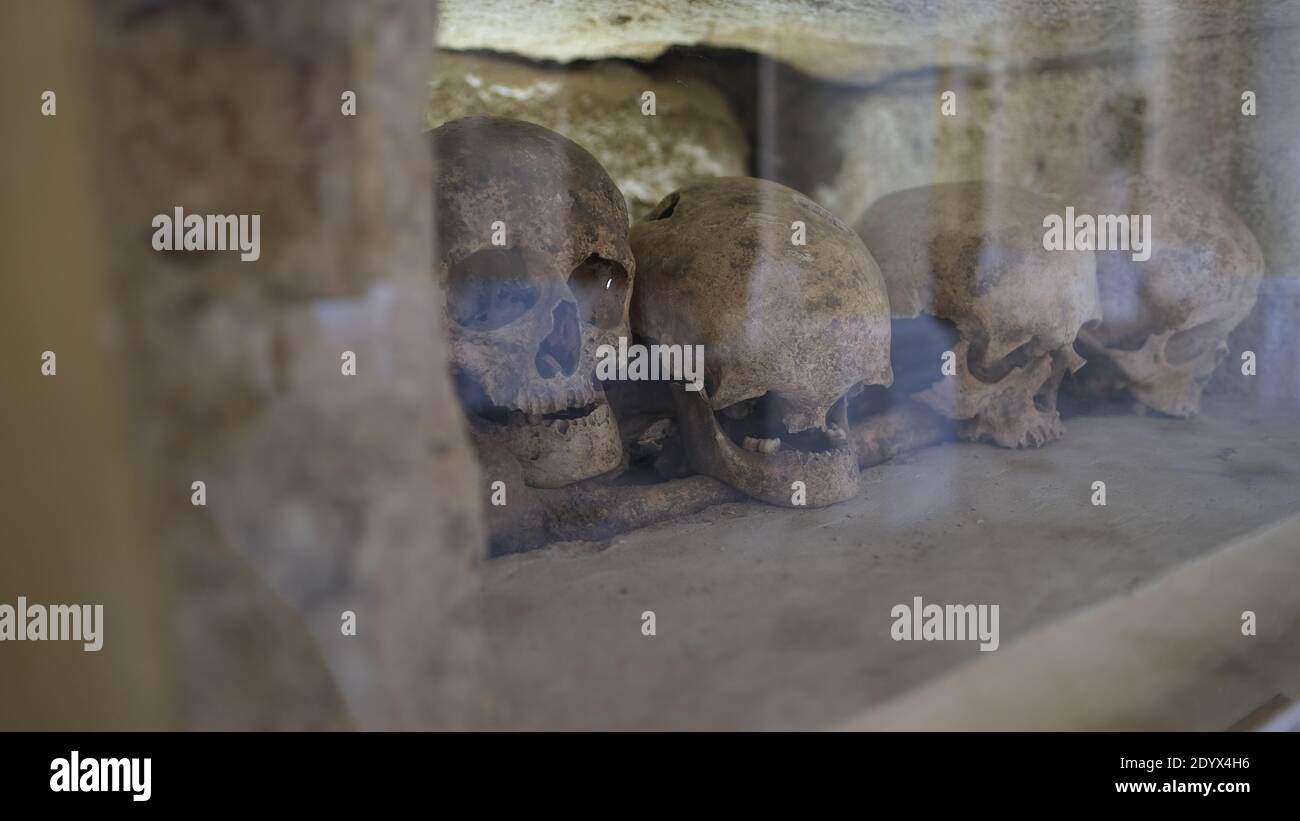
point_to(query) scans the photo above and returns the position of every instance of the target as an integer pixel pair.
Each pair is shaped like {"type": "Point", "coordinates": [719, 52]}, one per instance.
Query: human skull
{"type": "Point", "coordinates": [788, 331]}
{"type": "Point", "coordinates": [1166, 319]}
{"type": "Point", "coordinates": [967, 273]}
{"type": "Point", "coordinates": [532, 253]}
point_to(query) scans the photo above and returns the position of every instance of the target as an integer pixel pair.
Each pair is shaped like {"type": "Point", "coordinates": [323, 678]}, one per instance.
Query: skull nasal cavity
{"type": "Point", "coordinates": [562, 348]}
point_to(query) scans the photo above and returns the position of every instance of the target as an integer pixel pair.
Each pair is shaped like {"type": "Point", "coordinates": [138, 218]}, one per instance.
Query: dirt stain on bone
{"type": "Point", "coordinates": [980, 259]}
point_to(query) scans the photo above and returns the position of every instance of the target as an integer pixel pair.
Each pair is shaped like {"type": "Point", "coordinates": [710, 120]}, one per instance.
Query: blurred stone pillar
{"type": "Point", "coordinates": [71, 529]}
{"type": "Point", "coordinates": [345, 492]}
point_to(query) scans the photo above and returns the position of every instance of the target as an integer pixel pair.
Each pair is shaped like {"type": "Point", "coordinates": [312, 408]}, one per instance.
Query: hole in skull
{"type": "Point", "coordinates": [562, 348]}
{"type": "Point", "coordinates": [490, 289]}
{"type": "Point", "coordinates": [664, 209]}
{"type": "Point", "coordinates": [873, 400]}
{"type": "Point", "coordinates": [916, 348]}
{"type": "Point", "coordinates": [1193, 343]}
{"type": "Point", "coordinates": [759, 421]}
{"type": "Point", "coordinates": [600, 286]}
{"type": "Point", "coordinates": [710, 384]}
{"type": "Point", "coordinates": [1000, 369]}
{"type": "Point", "coordinates": [1045, 397]}
{"type": "Point", "coordinates": [1131, 341]}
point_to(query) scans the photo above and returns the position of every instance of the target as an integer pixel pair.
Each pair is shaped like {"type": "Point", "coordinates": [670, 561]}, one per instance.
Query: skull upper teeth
{"type": "Point", "coordinates": [761, 445]}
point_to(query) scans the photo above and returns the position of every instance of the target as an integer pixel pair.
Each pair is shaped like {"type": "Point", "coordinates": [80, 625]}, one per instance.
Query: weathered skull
{"type": "Point", "coordinates": [1166, 319]}
{"type": "Point", "coordinates": [788, 331]}
{"type": "Point", "coordinates": [533, 255]}
{"type": "Point", "coordinates": [967, 273]}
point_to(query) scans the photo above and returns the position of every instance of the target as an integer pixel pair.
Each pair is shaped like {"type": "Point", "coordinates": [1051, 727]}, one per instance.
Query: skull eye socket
{"type": "Point", "coordinates": [490, 289]}
{"type": "Point", "coordinates": [600, 287]}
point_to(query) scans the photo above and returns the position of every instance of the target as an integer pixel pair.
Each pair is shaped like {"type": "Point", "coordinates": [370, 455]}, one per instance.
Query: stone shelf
{"type": "Point", "coordinates": [780, 619]}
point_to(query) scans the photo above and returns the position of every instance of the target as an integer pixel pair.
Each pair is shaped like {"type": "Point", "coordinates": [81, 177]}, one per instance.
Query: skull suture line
{"type": "Point", "coordinates": [527, 314]}
{"type": "Point", "coordinates": [966, 271]}
{"type": "Point", "coordinates": [788, 330]}
{"type": "Point", "coordinates": [1166, 320]}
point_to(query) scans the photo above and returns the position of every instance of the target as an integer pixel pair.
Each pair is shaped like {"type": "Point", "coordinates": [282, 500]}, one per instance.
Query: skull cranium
{"type": "Point", "coordinates": [967, 271]}
{"type": "Point", "coordinates": [533, 256]}
{"type": "Point", "coordinates": [1167, 318]}
{"type": "Point", "coordinates": [788, 331]}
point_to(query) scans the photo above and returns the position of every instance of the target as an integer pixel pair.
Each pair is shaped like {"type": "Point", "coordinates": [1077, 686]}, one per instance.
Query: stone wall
{"type": "Point", "coordinates": [856, 41]}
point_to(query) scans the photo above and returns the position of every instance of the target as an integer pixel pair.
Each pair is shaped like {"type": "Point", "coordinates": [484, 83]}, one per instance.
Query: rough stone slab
{"type": "Point", "coordinates": [692, 135]}
{"type": "Point", "coordinates": [772, 618]}
{"type": "Point", "coordinates": [846, 40]}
